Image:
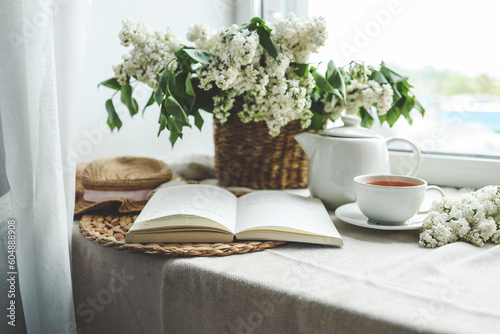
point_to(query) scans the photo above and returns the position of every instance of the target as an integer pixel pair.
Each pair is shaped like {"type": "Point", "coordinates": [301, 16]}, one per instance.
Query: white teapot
{"type": "Point", "coordinates": [342, 153]}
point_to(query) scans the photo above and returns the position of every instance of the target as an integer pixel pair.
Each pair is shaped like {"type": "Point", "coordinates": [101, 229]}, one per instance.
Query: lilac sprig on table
{"type": "Point", "coordinates": [473, 217]}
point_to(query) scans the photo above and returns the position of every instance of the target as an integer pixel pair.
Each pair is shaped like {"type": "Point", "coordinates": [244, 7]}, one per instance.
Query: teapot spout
{"type": "Point", "coordinates": [308, 142]}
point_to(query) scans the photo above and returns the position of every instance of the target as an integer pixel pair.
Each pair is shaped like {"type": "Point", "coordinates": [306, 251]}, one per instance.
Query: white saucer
{"type": "Point", "coordinates": [351, 214]}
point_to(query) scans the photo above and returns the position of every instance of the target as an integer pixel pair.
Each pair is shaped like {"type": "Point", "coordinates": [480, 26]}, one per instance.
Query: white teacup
{"type": "Point", "coordinates": [390, 199]}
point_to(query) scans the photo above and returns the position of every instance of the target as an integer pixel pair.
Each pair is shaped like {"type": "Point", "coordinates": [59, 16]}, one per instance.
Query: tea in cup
{"type": "Point", "coordinates": [390, 199]}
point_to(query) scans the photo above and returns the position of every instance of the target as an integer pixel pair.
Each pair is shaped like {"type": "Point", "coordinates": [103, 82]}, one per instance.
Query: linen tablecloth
{"type": "Point", "coordinates": [378, 282]}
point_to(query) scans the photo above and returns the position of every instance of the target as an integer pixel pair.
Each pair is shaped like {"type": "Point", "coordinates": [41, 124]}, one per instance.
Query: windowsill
{"type": "Point", "coordinates": [449, 170]}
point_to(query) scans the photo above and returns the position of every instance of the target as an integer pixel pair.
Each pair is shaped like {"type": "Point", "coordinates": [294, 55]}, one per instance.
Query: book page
{"type": "Point", "coordinates": [204, 201]}
{"type": "Point", "coordinates": [280, 211]}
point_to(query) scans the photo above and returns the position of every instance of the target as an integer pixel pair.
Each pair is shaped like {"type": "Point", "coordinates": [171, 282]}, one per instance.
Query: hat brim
{"type": "Point", "coordinates": [115, 205]}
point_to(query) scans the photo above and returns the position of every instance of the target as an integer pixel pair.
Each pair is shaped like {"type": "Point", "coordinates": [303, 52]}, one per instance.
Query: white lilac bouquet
{"type": "Point", "coordinates": [253, 72]}
{"type": "Point", "coordinates": [472, 217]}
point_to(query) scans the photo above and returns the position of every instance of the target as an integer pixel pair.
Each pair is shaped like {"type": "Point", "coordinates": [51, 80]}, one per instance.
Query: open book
{"type": "Point", "coordinates": [204, 213]}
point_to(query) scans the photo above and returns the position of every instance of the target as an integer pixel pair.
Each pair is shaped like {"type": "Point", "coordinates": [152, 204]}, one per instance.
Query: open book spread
{"type": "Point", "coordinates": [205, 213]}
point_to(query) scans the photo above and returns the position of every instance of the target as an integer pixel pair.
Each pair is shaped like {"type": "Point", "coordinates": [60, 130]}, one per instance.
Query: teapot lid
{"type": "Point", "coordinates": [351, 129]}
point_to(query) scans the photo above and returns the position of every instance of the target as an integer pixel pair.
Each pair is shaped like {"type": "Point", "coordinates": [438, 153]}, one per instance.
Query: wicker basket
{"type": "Point", "coordinates": [247, 156]}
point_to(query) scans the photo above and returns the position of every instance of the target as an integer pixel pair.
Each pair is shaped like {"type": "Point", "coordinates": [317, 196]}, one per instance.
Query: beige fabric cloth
{"type": "Point", "coordinates": [379, 282]}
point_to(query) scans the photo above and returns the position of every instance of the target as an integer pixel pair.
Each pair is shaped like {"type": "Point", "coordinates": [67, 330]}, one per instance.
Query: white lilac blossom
{"type": "Point", "coordinates": [299, 37]}
{"type": "Point", "coordinates": [268, 87]}
{"type": "Point", "coordinates": [203, 37]}
{"type": "Point", "coordinates": [361, 92]}
{"type": "Point", "coordinates": [359, 71]}
{"type": "Point", "coordinates": [472, 217]}
{"type": "Point", "coordinates": [151, 52]}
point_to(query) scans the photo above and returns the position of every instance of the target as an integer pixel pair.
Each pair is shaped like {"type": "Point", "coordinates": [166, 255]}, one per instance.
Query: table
{"type": "Point", "coordinates": [378, 282]}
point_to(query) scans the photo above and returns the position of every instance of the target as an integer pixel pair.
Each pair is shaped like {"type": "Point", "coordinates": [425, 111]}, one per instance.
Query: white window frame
{"type": "Point", "coordinates": [245, 10]}
{"type": "Point", "coordinates": [452, 170]}
{"type": "Point", "coordinates": [440, 169]}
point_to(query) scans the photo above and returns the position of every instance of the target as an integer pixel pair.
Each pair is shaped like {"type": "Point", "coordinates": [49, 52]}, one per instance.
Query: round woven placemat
{"type": "Point", "coordinates": [110, 230]}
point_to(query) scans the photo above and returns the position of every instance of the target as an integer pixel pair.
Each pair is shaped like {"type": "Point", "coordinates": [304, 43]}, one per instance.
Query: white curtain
{"type": "Point", "coordinates": [42, 52]}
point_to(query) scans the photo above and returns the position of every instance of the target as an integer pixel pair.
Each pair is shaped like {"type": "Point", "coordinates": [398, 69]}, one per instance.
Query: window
{"type": "Point", "coordinates": [446, 49]}
{"type": "Point", "coordinates": [449, 51]}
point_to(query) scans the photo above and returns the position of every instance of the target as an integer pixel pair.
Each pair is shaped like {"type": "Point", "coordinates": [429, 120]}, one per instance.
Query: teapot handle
{"type": "Point", "coordinates": [414, 163]}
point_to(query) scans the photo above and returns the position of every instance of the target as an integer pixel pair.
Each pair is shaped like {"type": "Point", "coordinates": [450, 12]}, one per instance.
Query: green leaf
{"type": "Point", "coordinates": [111, 83]}
{"type": "Point", "coordinates": [396, 95]}
{"type": "Point", "coordinates": [134, 109]}
{"type": "Point", "coordinates": [378, 77]}
{"type": "Point", "coordinates": [334, 77]}
{"type": "Point", "coordinates": [391, 76]}
{"type": "Point", "coordinates": [189, 86]}
{"type": "Point", "coordinates": [317, 121]}
{"type": "Point", "coordinates": [200, 56]}
{"type": "Point", "coordinates": [204, 98]}
{"type": "Point", "coordinates": [392, 116]}
{"type": "Point", "coordinates": [170, 82]}
{"type": "Point", "coordinates": [176, 86]}
{"type": "Point", "coordinates": [408, 106]}
{"type": "Point", "coordinates": [126, 95]}
{"type": "Point", "coordinates": [198, 120]}
{"type": "Point", "coordinates": [322, 83]}
{"type": "Point", "coordinates": [419, 107]}
{"type": "Point", "coordinates": [404, 87]}
{"type": "Point", "coordinates": [163, 80]}
{"type": "Point", "coordinates": [324, 86]}
{"type": "Point", "coordinates": [113, 119]}
{"type": "Point", "coordinates": [126, 98]}
{"type": "Point", "coordinates": [183, 60]}
{"type": "Point", "coordinates": [301, 69]}
{"type": "Point", "coordinates": [174, 108]}
{"type": "Point", "coordinates": [402, 107]}
{"type": "Point", "coordinates": [191, 95]}
{"type": "Point", "coordinates": [366, 118]}
{"type": "Point", "coordinates": [174, 125]}
{"type": "Point", "coordinates": [162, 121]}
{"type": "Point", "coordinates": [180, 88]}
{"type": "Point", "coordinates": [161, 90]}
{"type": "Point", "coordinates": [174, 136]}
{"type": "Point", "coordinates": [150, 102]}
{"type": "Point", "coordinates": [266, 41]}
{"type": "Point", "coordinates": [261, 22]}
{"type": "Point", "coordinates": [158, 95]}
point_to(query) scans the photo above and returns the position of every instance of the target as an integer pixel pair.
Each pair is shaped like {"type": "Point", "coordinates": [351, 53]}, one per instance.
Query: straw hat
{"type": "Point", "coordinates": [119, 184]}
